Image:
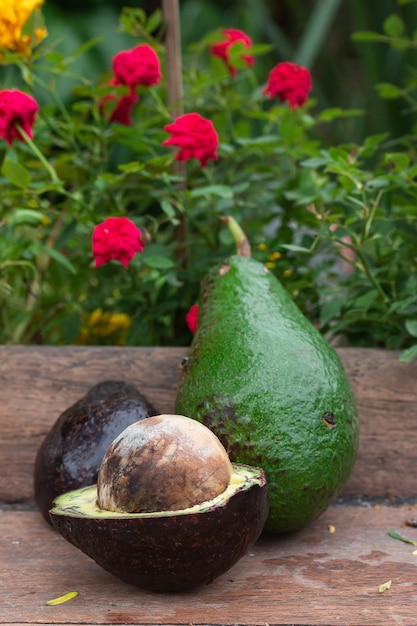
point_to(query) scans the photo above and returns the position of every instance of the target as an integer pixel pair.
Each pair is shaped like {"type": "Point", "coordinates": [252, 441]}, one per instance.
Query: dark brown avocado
{"type": "Point", "coordinates": [70, 455]}
{"type": "Point", "coordinates": [168, 551]}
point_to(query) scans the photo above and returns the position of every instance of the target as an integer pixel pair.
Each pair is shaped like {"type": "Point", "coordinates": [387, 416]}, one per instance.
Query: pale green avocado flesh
{"type": "Point", "coordinates": [273, 390]}
{"type": "Point", "coordinates": [83, 502]}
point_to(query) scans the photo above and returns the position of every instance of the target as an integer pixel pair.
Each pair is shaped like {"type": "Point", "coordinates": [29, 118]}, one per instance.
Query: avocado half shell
{"type": "Point", "coordinates": [168, 550]}
{"type": "Point", "coordinates": [69, 457]}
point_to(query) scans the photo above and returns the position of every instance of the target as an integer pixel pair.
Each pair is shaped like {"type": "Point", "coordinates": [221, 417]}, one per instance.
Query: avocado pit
{"type": "Point", "coordinates": [167, 462]}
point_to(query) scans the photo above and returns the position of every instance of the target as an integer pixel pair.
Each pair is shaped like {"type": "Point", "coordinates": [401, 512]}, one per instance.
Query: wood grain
{"type": "Point", "coordinates": [38, 383]}
{"type": "Point", "coordinates": [311, 577]}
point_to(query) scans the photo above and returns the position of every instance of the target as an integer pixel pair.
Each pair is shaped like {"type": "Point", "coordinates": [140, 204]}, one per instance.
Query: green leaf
{"type": "Point", "coordinates": [27, 216]}
{"type": "Point", "coordinates": [411, 326]}
{"type": "Point", "coordinates": [396, 535]}
{"type": "Point", "coordinates": [294, 247]}
{"type": "Point", "coordinates": [394, 25]}
{"type": "Point", "coordinates": [412, 172]}
{"type": "Point", "coordinates": [167, 208]}
{"type": "Point", "coordinates": [223, 191]}
{"type": "Point", "coordinates": [15, 173]}
{"type": "Point", "coordinates": [260, 141]}
{"type": "Point", "coordinates": [157, 262]}
{"type": "Point", "coordinates": [85, 47]}
{"type": "Point", "coordinates": [341, 155]}
{"type": "Point", "coordinates": [330, 310]}
{"type": "Point", "coordinates": [374, 141]}
{"type": "Point", "coordinates": [131, 168]}
{"type": "Point", "coordinates": [60, 258]}
{"type": "Point", "coordinates": [104, 180]}
{"type": "Point", "coordinates": [400, 160]}
{"type": "Point", "coordinates": [377, 183]}
{"type": "Point", "coordinates": [328, 115]}
{"type": "Point", "coordinates": [235, 53]}
{"type": "Point", "coordinates": [261, 48]}
{"type": "Point", "coordinates": [154, 21]}
{"type": "Point", "coordinates": [314, 162]}
{"type": "Point", "coordinates": [388, 91]}
{"type": "Point", "coordinates": [368, 35]}
{"type": "Point", "coordinates": [55, 57]}
{"type": "Point", "coordinates": [346, 182]}
{"type": "Point", "coordinates": [400, 44]}
{"type": "Point", "coordinates": [408, 355]}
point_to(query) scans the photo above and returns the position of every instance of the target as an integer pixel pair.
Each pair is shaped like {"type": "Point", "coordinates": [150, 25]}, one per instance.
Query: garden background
{"type": "Point", "coordinates": [326, 193]}
{"type": "Point", "coordinates": [315, 33]}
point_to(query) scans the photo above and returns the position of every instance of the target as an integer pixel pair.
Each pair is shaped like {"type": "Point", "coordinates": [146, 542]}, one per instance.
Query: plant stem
{"type": "Point", "coordinates": [372, 212]}
{"type": "Point", "coordinates": [170, 9]}
{"type": "Point", "coordinates": [372, 278]}
{"type": "Point", "coordinates": [242, 242]}
{"type": "Point", "coordinates": [365, 267]}
{"type": "Point", "coordinates": [54, 177]}
{"type": "Point", "coordinates": [171, 13]}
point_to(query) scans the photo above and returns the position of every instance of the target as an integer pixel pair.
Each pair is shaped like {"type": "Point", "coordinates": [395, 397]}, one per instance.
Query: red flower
{"type": "Point", "coordinates": [122, 110]}
{"type": "Point", "coordinates": [16, 109]}
{"type": "Point", "coordinates": [195, 136]}
{"type": "Point", "coordinates": [138, 66]}
{"type": "Point", "coordinates": [192, 318]}
{"type": "Point", "coordinates": [222, 48]}
{"type": "Point", "coordinates": [116, 238]}
{"type": "Point", "coordinates": [290, 82]}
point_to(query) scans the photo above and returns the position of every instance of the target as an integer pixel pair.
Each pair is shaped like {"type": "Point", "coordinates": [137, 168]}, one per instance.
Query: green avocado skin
{"type": "Point", "coordinates": [273, 390]}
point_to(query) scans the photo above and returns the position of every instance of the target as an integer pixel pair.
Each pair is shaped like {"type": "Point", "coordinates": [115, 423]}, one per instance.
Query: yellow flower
{"type": "Point", "coordinates": [13, 16]}
{"type": "Point", "coordinates": [274, 256]}
{"type": "Point", "coordinates": [104, 327]}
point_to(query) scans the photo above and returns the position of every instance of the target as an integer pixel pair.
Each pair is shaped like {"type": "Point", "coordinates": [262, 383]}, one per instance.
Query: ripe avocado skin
{"type": "Point", "coordinates": [69, 457]}
{"type": "Point", "coordinates": [168, 551]}
{"type": "Point", "coordinates": [273, 390]}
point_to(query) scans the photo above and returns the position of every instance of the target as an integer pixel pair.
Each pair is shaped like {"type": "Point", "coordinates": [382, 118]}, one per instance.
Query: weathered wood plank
{"type": "Point", "coordinates": [38, 383]}
{"type": "Point", "coordinates": [386, 393]}
{"type": "Point", "coordinates": [311, 577]}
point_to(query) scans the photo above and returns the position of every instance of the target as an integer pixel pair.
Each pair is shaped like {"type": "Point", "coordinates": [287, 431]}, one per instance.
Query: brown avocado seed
{"type": "Point", "coordinates": [163, 463]}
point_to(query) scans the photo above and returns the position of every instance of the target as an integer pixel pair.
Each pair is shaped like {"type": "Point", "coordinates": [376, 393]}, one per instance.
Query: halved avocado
{"type": "Point", "coordinates": [69, 457]}
{"type": "Point", "coordinates": [168, 550]}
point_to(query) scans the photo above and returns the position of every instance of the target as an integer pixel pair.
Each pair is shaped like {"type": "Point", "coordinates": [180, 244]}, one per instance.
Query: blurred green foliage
{"type": "Point", "coordinates": [315, 33]}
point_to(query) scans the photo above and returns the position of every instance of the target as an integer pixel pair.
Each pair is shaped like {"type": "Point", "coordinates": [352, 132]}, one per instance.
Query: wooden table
{"type": "Point", "coordinates": [311, 577]}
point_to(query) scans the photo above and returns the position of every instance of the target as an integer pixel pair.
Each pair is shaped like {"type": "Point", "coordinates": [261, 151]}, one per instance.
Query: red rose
{"type": "Point", "coordinates": [222, 48]}
{"type": "Point", "coordinates": [192, 318]}
{"type": "Point", "coordinates": [16, 109]}
{"type": "Point", "coordinates": [116, 238]}
{"type": "Point", "coordinates": [290, 82]}
{"type": "Point", "coordinates": [195, 136]}
{"type": "Point", "coordinates": [122, 110]}
{"type": "Point", "coordinates": [138, 66]}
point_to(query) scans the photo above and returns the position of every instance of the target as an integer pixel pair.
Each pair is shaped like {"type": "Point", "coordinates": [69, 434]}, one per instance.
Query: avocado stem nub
{"type": "Point", "coordinates": [242, 242]}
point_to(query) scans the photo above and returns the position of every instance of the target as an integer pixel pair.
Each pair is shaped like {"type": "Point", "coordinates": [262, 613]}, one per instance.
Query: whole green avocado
{"type": "Point", "coordinates": [271, 387]}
